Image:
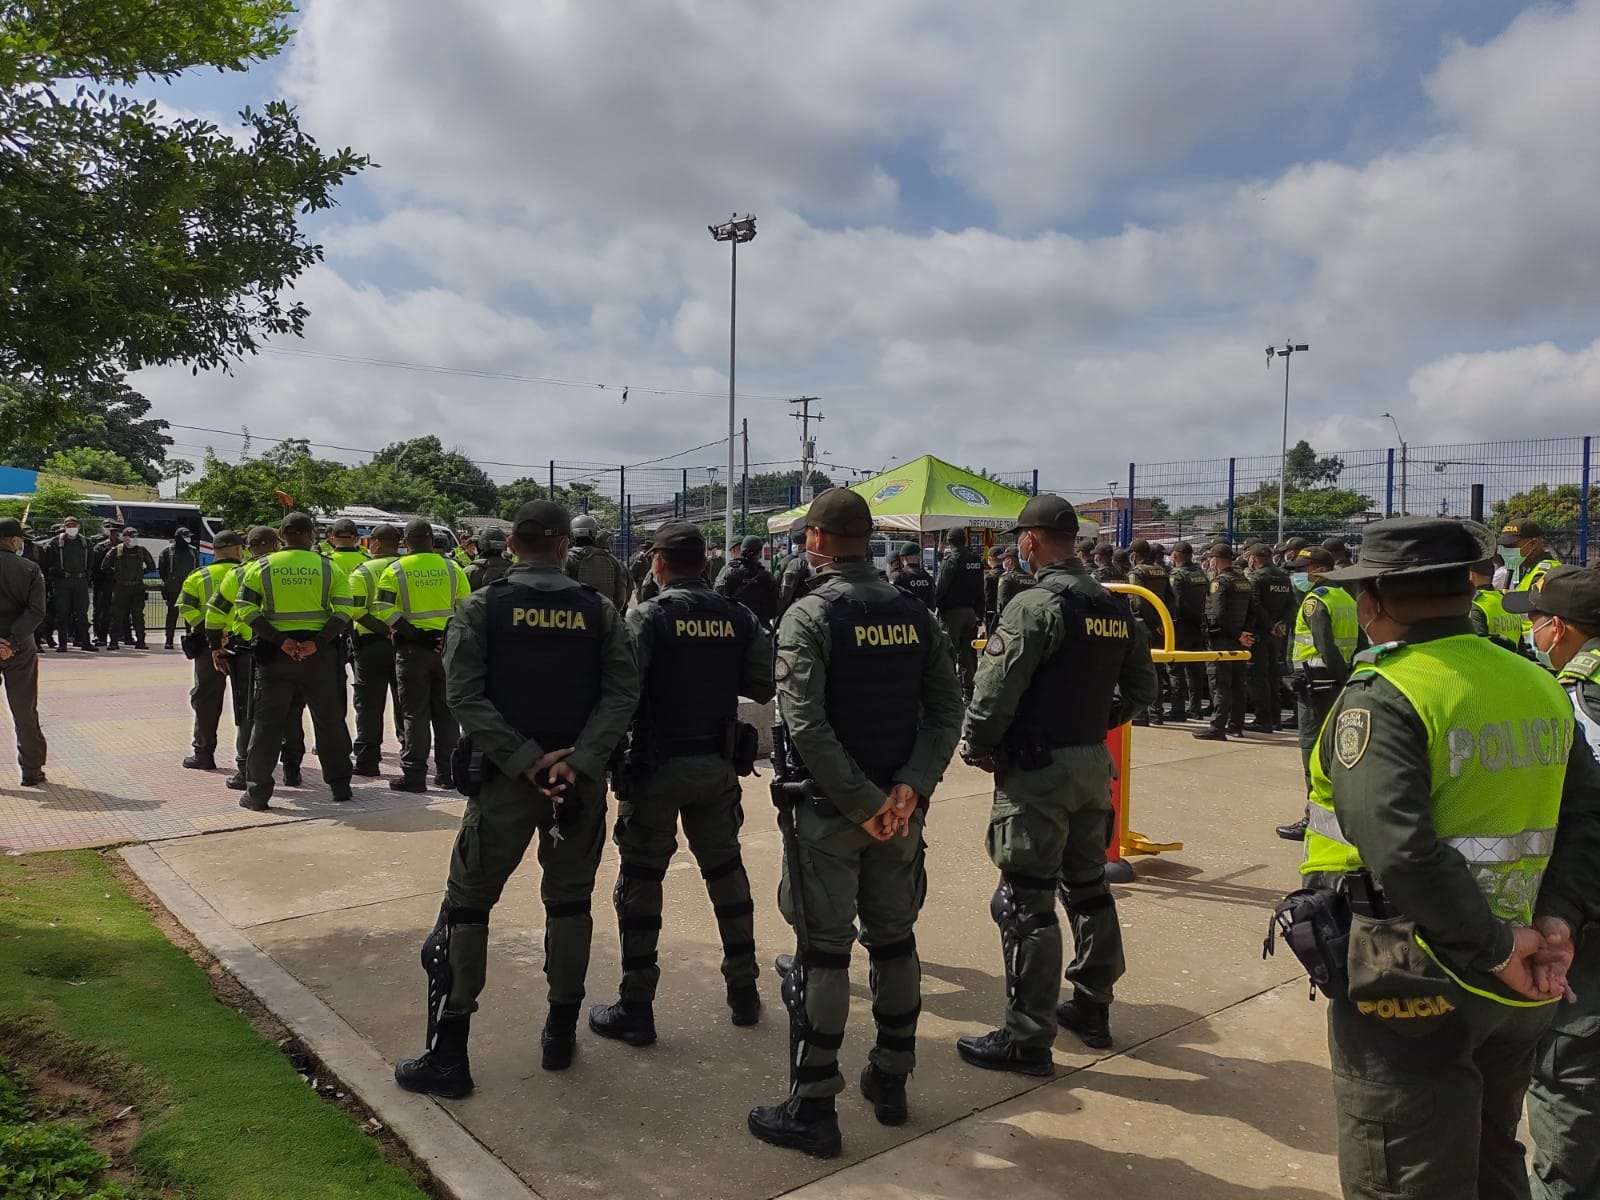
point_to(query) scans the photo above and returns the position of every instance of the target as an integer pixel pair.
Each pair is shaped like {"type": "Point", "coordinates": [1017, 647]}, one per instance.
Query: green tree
{"type": "Point", "coordinates": [1312, 514]}
{"type": "Point", "coordinates": [175, 469]}
{"type": "Point", "coordinates": [1304, 468]}
{"type": "Point", "coordinates": [128, 238]}
{"type": "Point", "coordinates": [245, 494]}
{"type": "Point", "coordinates": [51, 503]}
{"type": "Point", "coordinates": [114, 417]}
{"type": "Point", "coordinates": [451, 473]}
{"type": "Point", "coordinates": [515, 494]}
{"type": "Point", "coordinates": [383, 485]}
{"type": "Point", "coordinates": [1552, 507]}
{"type": "Point", "coordinates": [84, 462]}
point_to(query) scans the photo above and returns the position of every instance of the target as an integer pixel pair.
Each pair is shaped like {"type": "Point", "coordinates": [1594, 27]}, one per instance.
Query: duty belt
{"type": "Point", "coordinates": [70, 575]}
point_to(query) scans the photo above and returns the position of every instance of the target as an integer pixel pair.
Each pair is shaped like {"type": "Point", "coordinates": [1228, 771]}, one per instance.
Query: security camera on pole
{"type": "Point", "coordinates": [734, 230]}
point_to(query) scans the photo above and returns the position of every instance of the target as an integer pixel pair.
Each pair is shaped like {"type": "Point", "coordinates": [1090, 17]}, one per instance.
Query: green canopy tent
{"type": "Point", "coordinates": [928, 495]}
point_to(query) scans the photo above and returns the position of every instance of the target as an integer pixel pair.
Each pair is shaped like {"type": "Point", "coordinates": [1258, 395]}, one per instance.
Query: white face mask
{"type": "Point", "coordinates": [71, 531]}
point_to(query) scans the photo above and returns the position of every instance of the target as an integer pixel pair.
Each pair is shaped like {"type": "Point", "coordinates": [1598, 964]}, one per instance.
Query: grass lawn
{"type": "Point", "coordinates": [90, 986]}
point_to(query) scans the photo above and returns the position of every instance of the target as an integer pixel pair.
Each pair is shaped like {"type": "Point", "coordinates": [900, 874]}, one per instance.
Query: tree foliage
{"type": "Point", "coordinates": [129, 237]}
{"type": "Point", "coordinates": [51, 503]}
{"type": "Point", "coordinates": [1303, 468]}
{"type": "Point", "coordinates": [383, 485]}
{"type": "Point", "coordinates": [1552, 507]}
{"type": "Point", "coordinates": [112, 417]}
{"type": "Point", "coordinates": [451, 474]}
{"type": "Point", "coordinates": [85, 462]}
{"type": "Point", "coordinates": [245, 494]}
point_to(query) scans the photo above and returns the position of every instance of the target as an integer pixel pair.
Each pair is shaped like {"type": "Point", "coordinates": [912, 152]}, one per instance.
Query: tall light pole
{"type": "Point", "coordinates": [1401, 437]}
{"type": "Point", "coordinates": [734, 230]}
{"type": "Point", "coordinates": [1116, 521]}
{"type": "Point", "coordinates": [1283, 352]}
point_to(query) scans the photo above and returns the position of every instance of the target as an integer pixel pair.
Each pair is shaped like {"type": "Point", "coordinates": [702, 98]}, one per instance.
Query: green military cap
{"type": "Point", "coordinates": [1514, 533]}
{"type": "Point", "coordinates": [542, 518]}
{"type": "Point", "coordinates": [226, 538]}
{"type": "Point", "coordinates": [419, 527]}
{"type": "Point", "coordinates": [955, 537]}
{"type": "Point", "coordinates": [1412, 546]}
{"type": "Point", "coordinates": [261, 535]}
{"type": "Point", "coordinates": [1295, 544]}
{"type": "Point", "coordinates": [384, 532]}
{"type": "Point", "coordinates": [840, 511]}
{"type": "Point", "coordinates": [1307, 557]}
{"type": "Point", "coordinates": [1571, 593]}
{"type": "Point", "coordinates": [492, 537]}
{"type": "Point", "coordinates": [680, 535]}
{"type": "Point", "coordinates": [344, 527]}
{"type": "Point", "coordinates": [1182, 548]}
{"type": "Point", "coordinates": [1140, 547]}
{"type": "Point", "coordinates": [1050, 513]}
{"type": "Point", "coordinates": [910, 550]}
{"type": "Point", "coordinates": [1335, 545]}
{"type": "Point", "coordinates": [298, 522]}
{"type": "Point", "coordinates": [1221, 550]}
{"type": "Point", "coordinates": [10, 527]}
{"type": "Point", "coordinates": [752, 544]}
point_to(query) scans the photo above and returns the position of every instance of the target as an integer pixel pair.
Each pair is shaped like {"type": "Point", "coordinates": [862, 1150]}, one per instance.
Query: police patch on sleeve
{"type": "Point", "coordinates": [996, 644]}
{"type": "Point", "coordinates": [1351, 734]}
{"type": "Point", "coordinates": [782, 667]}
{"type": "Point", "coordinates": [1312, 604]}
{"type": "Point", "coordinates": [1216, 587]}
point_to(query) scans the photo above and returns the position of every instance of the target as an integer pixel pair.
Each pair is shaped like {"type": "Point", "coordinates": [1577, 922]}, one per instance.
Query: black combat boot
{"type": "Point", "coordinates": [887, 1093]}
{"type": "Point", "coordinates": [744, 1003]}
{"type": "Point", "coordinates": [291, 775]}
{"type": "Point", "coordinates": [341, 793]}
{"type": "Point", "coordinates": [366, 770]}
{"type": "Point", "coordinates": [1089, 1019]}
{"type": "Point", "coordinates": [995, 1051]}
{"type": "Point", "coordinates": [630, 1021]}
{"type": "Point", "coordinates": [411, 781]}
{"type": "Point", "coordinates": [1209, 735]}
{"type": "Point", "coordinates": [201, 760]}
{"type": "Point", "coordinates": [1295, 831]}
{"type": "Point", "coordinates": [559, 1041]}
{"type": "Point", "coordinates": [443, 779]}
{"type": "Point", "coordinates": [811, 1125]}
{"type": "Point", "coordinates": [444, 1070]}
{"type": "Point", "coordinates": [235, 782]}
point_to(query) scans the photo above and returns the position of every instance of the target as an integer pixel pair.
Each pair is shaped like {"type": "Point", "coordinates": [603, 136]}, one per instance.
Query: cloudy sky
{"type": "Point", "coordinates": [1025, 235]}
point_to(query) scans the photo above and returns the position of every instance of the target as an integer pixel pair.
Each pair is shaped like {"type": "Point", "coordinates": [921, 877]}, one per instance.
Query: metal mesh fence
{"type": "Point", "coordinates": [1549, 480]}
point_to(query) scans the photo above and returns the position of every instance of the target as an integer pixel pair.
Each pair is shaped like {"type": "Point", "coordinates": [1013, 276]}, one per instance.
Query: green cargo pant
{"type": "Point", "coordinates": [845, 875]}
{"type": "Point", "coordinates": [1444, 1134]}
{"type": "Point", "coordinates": [495, 831]}
{"type": "Point", "coordinates": [962, 626]}
{"type": "Point", "coordinates": [702, 792]}
{"type": "Point", "coordinates": [1311, 710]}
{"type": "Point", "coordinates": [1049, 829]}
{"type": "Point", "coordinates": [242, 679]}
{"type": "Point", "coordinates": [20, 674]}
{"type": "Point", "coordinates": [206, 697]}
{"type": "Point", "coordinates": [1564, 1098]}
{"type": "Point", "coordinates": [374, 681]}
{"type": "Point", "coordinates": [275, 725]}
{"type": "Point", "coordinates": [428, 724]}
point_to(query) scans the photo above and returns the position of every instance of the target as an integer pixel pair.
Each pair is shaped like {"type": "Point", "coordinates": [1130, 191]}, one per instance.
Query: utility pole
{"type": "Point", "coordinates": [1404, 511]}
{"type": "Point", "coordinates": [808, 445]}
{"type": "Point", "coordinates": [1283, 352]}
{"type": "Point", "coordinates": [744, 483]}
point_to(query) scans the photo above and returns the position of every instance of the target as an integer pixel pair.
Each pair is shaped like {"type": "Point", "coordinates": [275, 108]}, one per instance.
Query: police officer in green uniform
{"type": "Point", "coordinates": [958, 598]}
{"type": "Point", "coordinates": [297, 605]}
{"type": "Point", "coordinates": [541, 676]}
{"type": "Point", "coordinates": [1488, 615]}
{"type": "Point", "coordinates": [698, 652]}
{"type": "Point", "coordinates": [21, 611]}
{"type": "Point", "coordinates": [344, 545]}
{"type": "Point", "coordinates": [747, 580]}
{"type": "Point", "coordinates": [210, 684]}
{"type": "Point", "coordinates": [416, 596]}
{"type": "Point", "coordinates": [1453, 804]}
{"type": "Point", "coordinates": [232, 653]}
{"type": "Point", "coordinates": [1153, 577]}
{"type": "Point", "coordinates": [590, 563]}
{"type": "Point", "coordinates": [1069, 662]}
{"type": "Point", "coordinates": [868, 692]}
{"type": "Point", "coordinates": [1189, 588]}
{"type": "Point", "coordinates": [1526, 556]}
{"type": "Point", "coordinates": [492, 563]}
{"type": "Point", "coordinates": [1326, 638]}
{"type": "Point", "coordinates": [176, 564]}
{"type": "Point", "coordinates": [70, 564]}
{"type": "Point", "coordinates": [1275, 606]}
{"type": "Point", "coordinates": [912, 577]}
{"type": "Point", "coordinates": [1231, 621]}
{"type": "Point", "coordinates": [1564, 1098]}
{"type": "Point", "coordinates": [127, 564]}
{"type": "Point", "coordinates": [1013, 580]}
{"type": "Point", "coordinates": [374, 685]}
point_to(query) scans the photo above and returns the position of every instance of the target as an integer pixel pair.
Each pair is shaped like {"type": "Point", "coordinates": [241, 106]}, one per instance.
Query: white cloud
{"type": "Point", "coordinates": [1520, 392]}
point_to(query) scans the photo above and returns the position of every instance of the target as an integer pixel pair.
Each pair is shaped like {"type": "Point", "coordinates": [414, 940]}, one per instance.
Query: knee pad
{"type": "Point", "coordinates": [906, 946]}
{"type": "Point", "coordinates": [1081, 899]}
{"type": "Point", "coordinates": [436, 958]}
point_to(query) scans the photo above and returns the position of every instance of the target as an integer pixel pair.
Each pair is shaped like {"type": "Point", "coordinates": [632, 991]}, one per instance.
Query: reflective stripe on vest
{"type": "Point", "coordinates": [1346, 628]}
{"type": "Point", "coordinates": [1476, 735]}
{"type": "Point", "coordinates": [269, 605]}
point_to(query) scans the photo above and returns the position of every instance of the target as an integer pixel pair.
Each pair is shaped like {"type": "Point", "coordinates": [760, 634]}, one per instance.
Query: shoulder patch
{"type": "Point", "coordinates": [1584, 665]}
{"type": "Point", "coordinates": [1320, 590]}
{"type": "Point", "coordinates": [783, 666]}
{"type": "Point", "coordinates": [1216, 586]}
{"type": "Point", "coordinates": [996, 645]}
{"type": "Point", "coordinates": [1312, 604]}
{"type": "Point", "coordinates": [1351, 735]}
{"type": "Point", "coordinates": [1373, 653]}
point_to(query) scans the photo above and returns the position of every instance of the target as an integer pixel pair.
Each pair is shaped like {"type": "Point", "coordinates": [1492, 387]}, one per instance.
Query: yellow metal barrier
{"type": "Point", "coordinates": [1120, 741]}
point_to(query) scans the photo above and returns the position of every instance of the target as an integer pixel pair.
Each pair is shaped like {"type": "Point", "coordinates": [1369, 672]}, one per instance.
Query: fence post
{"type": "Point", "coordinates": [552, 479]}
{"type": "Point", "coordinates": [1035, 491]}
{"type": "Point", "coordinates": [1127, 538]}
{"type": "Point", "coordinates": [622, 494]}
{"type": "Point", "coordinates": [1232, 464]}
{"type": "Point", "coordinates": [627, 527]}
{"type": "Point", "coordinates": [1388, 486]}
{"type": "Point", "coordinates": [1583, 514]}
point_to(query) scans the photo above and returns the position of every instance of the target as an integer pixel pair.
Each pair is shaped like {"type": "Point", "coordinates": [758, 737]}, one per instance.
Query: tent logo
{"type": "Point", "coordinates": [890, 490]}
{"type": "Point", "coordinates": [968, 495]}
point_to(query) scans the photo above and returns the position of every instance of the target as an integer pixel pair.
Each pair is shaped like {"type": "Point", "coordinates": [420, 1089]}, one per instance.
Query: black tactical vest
{"type": "Point", "coordinates": [1068, 701]}
{"type": "Point", "coordinates": [1229, 603]}
{"type": "Point", "coordinates": [698, 641]}
{"type": "Point", "coordinates": [1189, 587]}
{"type": "Point", "coordinates": [877, 650]}
{"type": "Point", "coordinates": [966, 589]}
{"type": "Point", "coordinates": [916, 583]}
{"type": "Point", "coordinates": [753, 586]}
{"type": "Point", "coordinates": [1153, 578]}
{"type": "Point", "coordinates": [544, 658]}
{"type": "Point", "coordinates": [1275, 594]}
{"type": "Point", "coordinates": [72, 555]}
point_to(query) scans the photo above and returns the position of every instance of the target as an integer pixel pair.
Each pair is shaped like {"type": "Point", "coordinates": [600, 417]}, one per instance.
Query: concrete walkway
{"type": "Point", "coordinates": [1217, 1086]}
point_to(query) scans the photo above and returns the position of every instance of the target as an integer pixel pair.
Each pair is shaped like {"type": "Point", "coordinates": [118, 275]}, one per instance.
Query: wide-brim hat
{"type": "Point", "coordinates": [1412, 546]}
